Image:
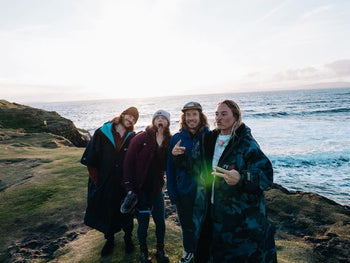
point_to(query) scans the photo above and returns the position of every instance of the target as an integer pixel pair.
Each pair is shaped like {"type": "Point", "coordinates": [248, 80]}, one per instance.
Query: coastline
{"type": "Point", "coordinates": [43, 195]}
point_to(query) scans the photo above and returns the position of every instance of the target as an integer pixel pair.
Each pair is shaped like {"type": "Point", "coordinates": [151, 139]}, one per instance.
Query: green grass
{"type": "Point", "coordinates": [293, 251]}
{"type": "Point", "coordinates": [54, 192]}
{"type": "Point", "coordinates": [87, 248]}
{"type": "Point", "coordinates": [46, 188]}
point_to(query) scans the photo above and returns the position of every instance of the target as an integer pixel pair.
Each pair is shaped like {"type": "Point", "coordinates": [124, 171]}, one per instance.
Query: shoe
{"type": "Point", "coordinates": [129, 245]}
{"type": "Point", "coordinates": [107, 248]}
{"type": "Point", "coordinates": [186, 258]}
{"type": "Point", "coordinates": [145, 257]}
{"type": "Point", "coordinates": [160, 254]}
{"type": "Point", "coordinates": [129, 203]}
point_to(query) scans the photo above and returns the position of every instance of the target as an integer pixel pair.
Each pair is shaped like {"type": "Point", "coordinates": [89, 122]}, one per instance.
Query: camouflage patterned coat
{"type": "Point", "coordinates": [235, 227]}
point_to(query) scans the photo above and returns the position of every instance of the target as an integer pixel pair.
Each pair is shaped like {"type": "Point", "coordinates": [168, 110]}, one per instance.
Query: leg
{"type": "Point", "coordinates": [128, 225]}
{"type": "Point", "coordinates": [109, 245]}
{"type": "Point", "coordinates": [158, 214]}
{"type": "Point", "coordinates": [144, 209]}
{"type": "Point", "coordinates": [184, 208]}
{"type": "Point", "coordinates": [202, 252]}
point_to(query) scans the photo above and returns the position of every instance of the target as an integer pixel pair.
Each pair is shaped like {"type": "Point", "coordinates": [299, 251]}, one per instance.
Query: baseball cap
{"type": "Point", "coordinates": [192, 106]}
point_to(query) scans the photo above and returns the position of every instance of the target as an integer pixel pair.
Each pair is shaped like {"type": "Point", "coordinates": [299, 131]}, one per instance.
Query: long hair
{"type": "Point", "coordinates": [236, 111]}
{"type": "Point", "coordinates": [167, 135]}
{"type": "Point", "coordinates": [120, 120]}
{"type": "Point", "coordinates": [203, 122]}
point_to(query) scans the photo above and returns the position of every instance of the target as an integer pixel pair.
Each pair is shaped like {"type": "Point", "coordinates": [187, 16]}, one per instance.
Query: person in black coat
{"type": "Point", "coordinates": [104, 157]}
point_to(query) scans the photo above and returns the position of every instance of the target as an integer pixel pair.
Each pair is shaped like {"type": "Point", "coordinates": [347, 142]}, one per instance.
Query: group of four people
{"type": "Point", "coordinates": [215, 178]}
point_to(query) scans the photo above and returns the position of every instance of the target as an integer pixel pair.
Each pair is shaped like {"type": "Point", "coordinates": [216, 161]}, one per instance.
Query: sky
{"type": "Point", "coordinates": [61, 50]}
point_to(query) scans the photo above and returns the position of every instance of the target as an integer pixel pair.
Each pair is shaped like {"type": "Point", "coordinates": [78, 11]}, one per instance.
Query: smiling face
{"type": "Point", "coordinates": [192, 120]}
{"type": "Point", "coordinates": [128, 120]}
{"type": "Point", "coordinates": [160, 121]}
{"type": "Point", "coordinates": [224, 119]}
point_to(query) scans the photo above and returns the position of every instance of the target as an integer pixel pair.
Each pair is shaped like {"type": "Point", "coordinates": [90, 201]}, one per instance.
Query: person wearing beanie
{"type": "Point", "coordinates": [144, 168]}
{"type": "Point", "coordinates": [104, 156]}
{"type": "Point", "coordinates": [181, 184]}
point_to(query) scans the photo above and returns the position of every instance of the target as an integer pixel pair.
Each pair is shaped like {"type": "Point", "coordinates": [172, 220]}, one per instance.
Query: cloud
{"type": "Point", "coordinates": [341, 68]}
{"type": "Point", "coordinates": [316, 11]}
{"type": "Point", "coordinates": [297, 74]}
{"type": "Point", "coordinates": [331, 71]}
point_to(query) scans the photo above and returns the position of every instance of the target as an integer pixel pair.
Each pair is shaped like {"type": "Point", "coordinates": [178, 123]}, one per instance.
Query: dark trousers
{"type": "Point", "coordinates": [127, 224]}
{"type": "Point", "coordinates": [184, 208]}
{"type": "Point", "coordinates": [150, 204]}
{"type": "Point", "coordinates": [203, 248]}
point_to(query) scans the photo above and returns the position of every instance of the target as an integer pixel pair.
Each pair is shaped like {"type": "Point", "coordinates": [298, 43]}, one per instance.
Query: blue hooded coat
{"type": "Point", "coordinates": [179, 181]}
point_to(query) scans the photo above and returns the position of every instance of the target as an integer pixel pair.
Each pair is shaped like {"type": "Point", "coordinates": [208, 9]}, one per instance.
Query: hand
{"type": "Point", "coordinates": [231, 177]}
{"type": "Point", "coordinates": [178, 150]}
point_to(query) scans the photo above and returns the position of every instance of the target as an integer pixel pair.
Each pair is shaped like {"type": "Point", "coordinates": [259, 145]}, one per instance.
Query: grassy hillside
{"type": "Point", "coordinates": [43, 199]}
{"type": "Point", "coordinates": [42, 204]}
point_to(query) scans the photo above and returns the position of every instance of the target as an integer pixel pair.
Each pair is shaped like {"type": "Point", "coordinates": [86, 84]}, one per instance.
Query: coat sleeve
{"type": "Point", "coordinates": [130, 160]}
{"type": "Point", "coordinates": [90, 155]}
{"type": "Point", "coordinates": [171, 173]}
{"type": "Point", "coordinates": [259, 173]}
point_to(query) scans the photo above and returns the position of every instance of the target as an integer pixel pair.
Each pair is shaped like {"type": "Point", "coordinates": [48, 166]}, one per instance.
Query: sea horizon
{"type": "Point", "coordinates": [305, 133]}
{"type": "Point", "coordinates": [29, 102]}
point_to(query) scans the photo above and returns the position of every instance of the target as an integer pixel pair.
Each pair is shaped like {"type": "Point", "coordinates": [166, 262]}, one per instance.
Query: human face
{"type": "Point", "coordinates": [129, 120]}
{"type": "Point", "coordinates": [224, 119]}
{"type": "Point", "coordinates": [160, 121]}
{"type": "Point", "coordinates": [192, 120]}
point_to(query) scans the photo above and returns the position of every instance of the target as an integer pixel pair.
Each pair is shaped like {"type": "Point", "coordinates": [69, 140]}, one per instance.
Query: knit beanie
{"type": "Point", "coordinates": [133, 112]}
{"type": "Point", "coordinates": [163, 113]}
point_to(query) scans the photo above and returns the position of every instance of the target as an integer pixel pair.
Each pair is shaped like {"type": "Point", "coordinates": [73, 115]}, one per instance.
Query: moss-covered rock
{"type": "Point", "coordinates": [32, 120]}
{"type": "Point", "coordinates": [320, 223]}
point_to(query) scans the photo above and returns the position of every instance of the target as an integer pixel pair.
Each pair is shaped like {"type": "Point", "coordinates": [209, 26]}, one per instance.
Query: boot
{"type": "Point", "coordinates": [107, 248]}
{"type": "Point", "coordinates": [129, 245]}
{"type": "Point", "coordinates": [187, 257]}
{"type": "Point", "coordinates": [145, 257]}
{"type": "Point", "coordinates": [160, 254]}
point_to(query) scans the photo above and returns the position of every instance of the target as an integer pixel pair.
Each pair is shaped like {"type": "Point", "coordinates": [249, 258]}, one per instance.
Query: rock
{"type": "Point", "coordinates": [317, 220]}
{"type": "Point", "coordinates": [31, 120]}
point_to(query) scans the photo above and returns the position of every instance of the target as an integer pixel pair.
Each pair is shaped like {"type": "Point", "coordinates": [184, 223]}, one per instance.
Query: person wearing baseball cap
{"type": "Point", "coordinates": [180, 183]}
{"type": "Point", "coordinates": [104, 156]}
{"type": "Point", "coordinates": [144, 168]}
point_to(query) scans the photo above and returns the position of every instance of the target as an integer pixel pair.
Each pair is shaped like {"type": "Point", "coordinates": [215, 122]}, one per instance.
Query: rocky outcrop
{"type": "Point", "coordinates": [309, 218]}
{"type": "Point", "coordinates": [31, 120]}
{"type": "Point", "coordinates": [317, 221]}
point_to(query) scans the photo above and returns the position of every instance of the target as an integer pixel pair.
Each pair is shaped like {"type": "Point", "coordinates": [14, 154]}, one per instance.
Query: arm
{"type": "Point", "coordinates": [259, 172]}
{"type": "Point", "coordinates": [257, 176]}
{"type": "Point", "coordinates": [93, 173]}
{"type": "Point", "coordinates": [171, 173]}
{"type": "Point", "coordinates": [90, 159]}
{"type": "Point", "coordinates": [130, 162]}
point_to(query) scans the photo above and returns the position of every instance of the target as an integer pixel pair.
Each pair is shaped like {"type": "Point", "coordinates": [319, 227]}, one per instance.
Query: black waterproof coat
{"type": "Point", "coordinates": [104, 199]}
{"type": "Point", "coordinates": [236, 223]}
{"type": "Point", "coordinates": [231, 221]}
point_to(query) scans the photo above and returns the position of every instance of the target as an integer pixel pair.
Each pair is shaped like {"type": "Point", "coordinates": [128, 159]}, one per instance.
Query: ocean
{"type": "Point", "coordinates": [305, 133]}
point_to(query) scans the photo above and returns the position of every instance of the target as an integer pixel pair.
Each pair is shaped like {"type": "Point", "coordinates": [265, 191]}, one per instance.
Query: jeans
{"type": "Point", "coordinates": [150, 204]}
{"type": "Point", "coordinates": [184, 208]}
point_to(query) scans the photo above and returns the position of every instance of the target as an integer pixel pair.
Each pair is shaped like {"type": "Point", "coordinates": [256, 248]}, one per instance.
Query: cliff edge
{"type": "Point", "coordinates": [32, 120]}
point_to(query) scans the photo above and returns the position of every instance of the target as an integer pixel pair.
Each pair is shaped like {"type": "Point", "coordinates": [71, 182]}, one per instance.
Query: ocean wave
{"type": "Point", "coordinates": [281, 114]}
{"type": "Point", "coordinates": [322, 159]}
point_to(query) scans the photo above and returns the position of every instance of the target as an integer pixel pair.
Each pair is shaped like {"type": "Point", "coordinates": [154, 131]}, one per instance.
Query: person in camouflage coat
{"type": "Point", "coordinates": [229, 213]}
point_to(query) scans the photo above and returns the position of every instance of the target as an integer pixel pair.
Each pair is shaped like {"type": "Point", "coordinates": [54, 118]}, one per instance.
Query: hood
{"type": "Point", "coordinates": [106, 129]}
